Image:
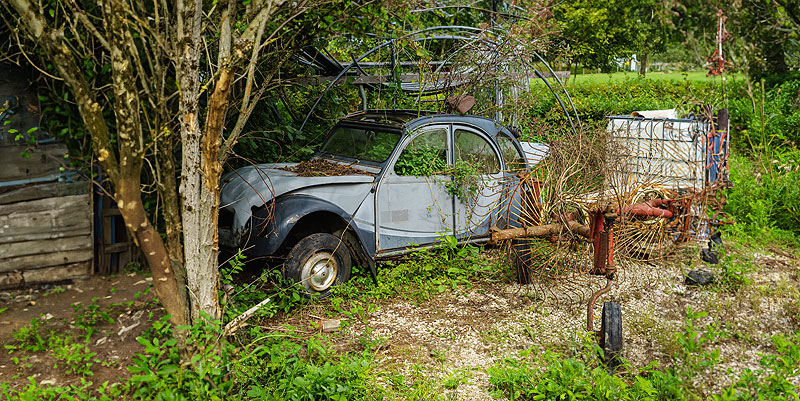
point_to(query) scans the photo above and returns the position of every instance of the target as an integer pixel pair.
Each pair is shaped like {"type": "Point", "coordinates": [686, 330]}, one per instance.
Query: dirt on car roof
{"type": "Point", "coordinates": [323, 168]}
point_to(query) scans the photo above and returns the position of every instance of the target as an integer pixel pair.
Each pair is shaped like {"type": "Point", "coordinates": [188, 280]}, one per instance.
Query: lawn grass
{"type": "Point", "coordinates": [695, 76]}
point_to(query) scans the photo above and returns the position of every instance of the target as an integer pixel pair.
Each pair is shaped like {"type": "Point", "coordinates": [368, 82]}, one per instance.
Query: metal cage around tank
{"type": "Point", "coordinates": [683, 154]}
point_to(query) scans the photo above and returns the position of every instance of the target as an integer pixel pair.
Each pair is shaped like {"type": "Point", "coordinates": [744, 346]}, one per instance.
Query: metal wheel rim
{"type": "Point", "coordinates": [319, 272]}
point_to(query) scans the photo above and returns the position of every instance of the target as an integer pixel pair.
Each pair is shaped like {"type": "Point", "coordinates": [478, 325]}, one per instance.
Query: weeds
{"type": "Point", "coordinates": [29, 338]}
{"type": "Point", "coordinates": [88, 318]}
{"type": "Point", "coordinates": [569, 378]}
{"type": "Point", "coordinates": [775, 380]}
{"type": "Point", "coordinates": [765, 198]}
{"type": "Point", "coordinates": [692, 357]}
{"type": "Point", "coordinates": [75, 358]}
{"type": "Point", "coordinates": [159, 370]}
{"type": "Point", "coordinates": [418, 277]}
{"type": "Point", "coordinates": [732, 271]}
{"type": "Point", "coordinates": [581, 376]}
{"type": "Point", "coordinates": [283, 294]}
{"type": "Point", "coordinates": [457, 378]}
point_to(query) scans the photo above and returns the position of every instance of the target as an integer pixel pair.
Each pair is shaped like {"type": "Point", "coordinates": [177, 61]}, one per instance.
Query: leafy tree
{"type": "Point", "coordinates": [695, 29]}
{"type": "Point", "coordinates": [171, 85]}
{"type": "Point", "coordinates": [649, 25]}
{"type": "Point", "coordinates": [595, 32]}
{"type": "Point", "coordinates": [588, 33]}
{"type": "Point", "coordinates": [772, 28]}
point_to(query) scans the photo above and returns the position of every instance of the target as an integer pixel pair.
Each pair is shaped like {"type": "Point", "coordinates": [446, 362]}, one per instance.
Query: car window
{"type": "Point", "coordinates": [361, 143]}
{"type": "Point", "coordinates": [425, 155]}
{"type": "Point", "coordinates": [475, 150]}
{"type": "Point", "coordinates": [511, 155]}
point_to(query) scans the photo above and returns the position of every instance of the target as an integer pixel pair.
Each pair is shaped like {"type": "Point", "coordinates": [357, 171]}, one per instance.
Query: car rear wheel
{"type": "Point", "coordinates": [319, 262]}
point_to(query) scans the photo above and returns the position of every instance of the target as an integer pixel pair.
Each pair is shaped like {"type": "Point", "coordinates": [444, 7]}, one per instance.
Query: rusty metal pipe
{"type": "Point", "coordinates": [649, 208]}
{"type": "Point", "coordinates": [643, 210]}
{"type": "Point", "coordinates": [592, 300]}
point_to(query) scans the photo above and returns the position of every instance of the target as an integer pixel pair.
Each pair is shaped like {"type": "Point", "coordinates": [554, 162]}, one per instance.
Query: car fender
{"type": "Point", "coordinates": [272, 223]}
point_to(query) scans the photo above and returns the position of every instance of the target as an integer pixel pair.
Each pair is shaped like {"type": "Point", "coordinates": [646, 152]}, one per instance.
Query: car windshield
{"type": "Point", "coordinates": [361, 143]}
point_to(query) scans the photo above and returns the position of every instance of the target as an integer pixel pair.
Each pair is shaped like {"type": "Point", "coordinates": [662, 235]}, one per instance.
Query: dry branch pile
{"type": "Point", "coordinates": [323, 168]}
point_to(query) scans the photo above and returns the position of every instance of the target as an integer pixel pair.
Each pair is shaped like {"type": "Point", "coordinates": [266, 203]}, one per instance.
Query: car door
{"type": "Point", "coordinates": [413, 205]}
{"type": "Point", "coordinates": [478, 173]}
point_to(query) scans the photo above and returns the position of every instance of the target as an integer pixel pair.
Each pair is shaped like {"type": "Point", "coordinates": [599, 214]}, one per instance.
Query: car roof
{"type": "Point", "coordinates": [394, 118]}
{"type": "Point", "coordinates": [410, 119]}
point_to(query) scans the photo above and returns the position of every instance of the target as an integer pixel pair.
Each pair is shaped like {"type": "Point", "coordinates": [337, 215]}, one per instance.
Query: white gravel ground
{"type": "Point", "coordinates": [471, 330]}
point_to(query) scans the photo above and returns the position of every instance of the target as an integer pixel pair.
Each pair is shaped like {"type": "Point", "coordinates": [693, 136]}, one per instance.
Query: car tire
{"type": "Point", "coordinates": [611, 335]}
{"type": "Point", "coordinates": [319, 262]}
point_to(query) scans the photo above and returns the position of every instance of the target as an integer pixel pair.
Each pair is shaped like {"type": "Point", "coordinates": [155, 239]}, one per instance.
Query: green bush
{"type": "Point", "coordinates": [765, 194]}
{"type": "Point", "coordinates": [595, 101]}
{"type": "Point", "coordinates": [777, 128]}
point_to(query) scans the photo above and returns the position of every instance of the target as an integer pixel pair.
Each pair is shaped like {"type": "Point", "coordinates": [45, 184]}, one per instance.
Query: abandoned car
{"type": "Point", "coordinates": [382, 183]}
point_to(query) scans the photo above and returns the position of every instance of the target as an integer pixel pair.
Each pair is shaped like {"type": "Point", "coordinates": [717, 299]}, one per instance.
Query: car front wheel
{"type": "Point", "coordinates": [319, 262]}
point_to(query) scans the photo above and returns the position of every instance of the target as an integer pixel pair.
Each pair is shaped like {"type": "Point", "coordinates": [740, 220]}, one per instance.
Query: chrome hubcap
{"type": "Point", "coordinates": [319, 271]}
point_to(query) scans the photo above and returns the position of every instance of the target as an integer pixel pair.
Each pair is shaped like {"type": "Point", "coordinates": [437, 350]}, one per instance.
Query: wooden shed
{"type": "Point", "coordinates": [46, 230]}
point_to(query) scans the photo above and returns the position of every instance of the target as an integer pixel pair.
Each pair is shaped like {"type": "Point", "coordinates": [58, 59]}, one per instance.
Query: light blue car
{"type": "Point", "coordinates": [404, 193]}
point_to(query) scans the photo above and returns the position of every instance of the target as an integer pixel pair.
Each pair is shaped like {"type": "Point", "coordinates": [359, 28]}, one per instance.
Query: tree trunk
{"type": "Point", "coordinates": [199, 180]}
{"type": "Point", "coordinates": [131, 155]}
{"type": "Point", "coordinates": [129, 200]}
{"type": "Point", "coordinates": [643, 65]}
{"type": "Point", "coordinates": [199, 225]}
{"type": "Point", "coordinates": [168, 188]}
{"type": "Point", "coordinates": [200, 189]}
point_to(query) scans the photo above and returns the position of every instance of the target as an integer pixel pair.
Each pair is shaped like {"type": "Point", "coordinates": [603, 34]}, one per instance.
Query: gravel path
{"type": "Point", "coordinates": [465, 332]}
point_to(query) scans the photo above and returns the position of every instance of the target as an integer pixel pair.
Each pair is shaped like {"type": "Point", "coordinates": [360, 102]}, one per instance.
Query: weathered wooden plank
{"type": "Point", "coordinates": [16, 249]}
{"type": "Point", "coordinates": [36, 218]}
{"type": "Point", "coordinates": [49, 204]}
{"type": "Point", "coordinates": [19, 278]}
{"type": "Point", "coordinates": [62, 216]}
{"type": "Point", "coordinates": [32, 234]}
{"type": "Point", "coordinates": [50, 229]}
{"type": "Point", "coordinates": [41, 191]}
{"type": "Point", "coordinates": [44, 160]}
{"type": "Point", "coordinates": [45, 260]}
{"type": "Point", "coordinates": [44, 224]}
{"type": "Point", "coordinates": [57, 273]}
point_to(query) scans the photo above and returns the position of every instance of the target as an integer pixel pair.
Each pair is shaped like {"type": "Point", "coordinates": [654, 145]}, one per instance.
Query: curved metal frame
{"type": "Point", "coordinates": [393, 41]}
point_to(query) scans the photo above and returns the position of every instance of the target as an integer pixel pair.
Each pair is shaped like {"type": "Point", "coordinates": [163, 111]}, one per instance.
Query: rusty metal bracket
{"type": "Point", "coordinates": [593, 299]}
